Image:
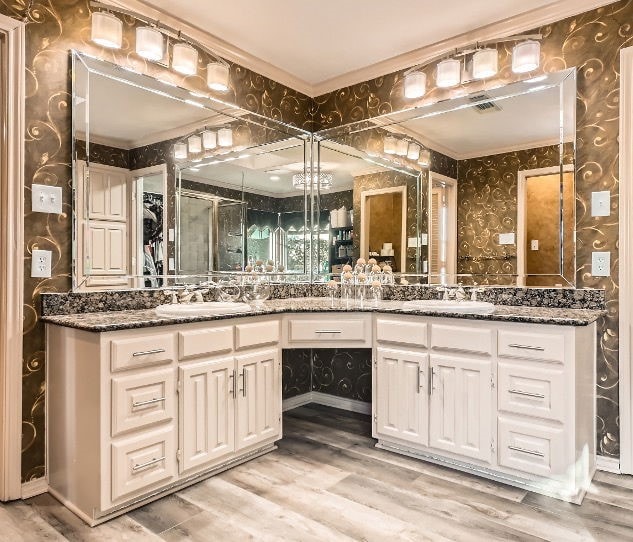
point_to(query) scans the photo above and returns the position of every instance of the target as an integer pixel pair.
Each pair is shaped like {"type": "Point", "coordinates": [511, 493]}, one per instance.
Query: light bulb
{"type": "Point", "coordinates": [414, 85]}
{"type": "Point", "coordinates": [180, 151]}
{"type": "Point", "coordinates": [218, 76]}
{"type": "Point", "coordinates": [149, 43]}
{"type": "Point", "coordinates": [184, 59]}
{"type": "Point", "coordinates": [526, 56]}
{"type": "Point", "coordinates": [209, 139]}
{"type": "Point", "coordinates": [485, 63]}
{"type": "Point", "coordinates": [107, 30]}
{"type": "Point", "coordinates": [448, 73]}
{"type": "Point", "coordinates": [195, 144]}
{"type": "Point", "coordinates": [225, 137]}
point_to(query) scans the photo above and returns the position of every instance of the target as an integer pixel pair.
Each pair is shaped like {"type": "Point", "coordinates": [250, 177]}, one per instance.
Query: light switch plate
{"type": "Point", "coordinates": [41, 263]}
{"type": "Point", "coordinates": [425, 239]}
{"type": "Point", "coordinates": [171, 235]}
{"type": "Point", "coordinates": [425, 266]}
{"type": "Point", "coordinates": [600, 264]}
{"type": "Point", "coordinates": [46, 199]}
{"type": "Point", "coordinates": [171, 264]}
{"type": "Point", "coordinates": [412, 242]}
{"type": "Point", "coordinates": [601, 203]}
{"type": "Point", "coordinates": [506, 238]}
{"type": "Point", "coordinates": [534, 244]}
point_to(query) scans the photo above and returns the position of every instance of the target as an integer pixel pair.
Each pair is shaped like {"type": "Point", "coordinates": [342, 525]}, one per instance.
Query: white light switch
{"type": "Point", "coordinates": [412, 242]}
{"type": "Point", "coordinates": [171, 264]}
{"type": "Point", "coordinates": [601, 203]}
{"type": "Point", "coordinates": [41, 263]}
{"type": "Point", "coordinates": [425, 266]}
{"type": "Point", "coordinates": [46, 199]}
{"type": "Point", "coordinates": [534, 244]}
{"type": "Point", "coordinates": [425, 239]}
{"type": "Point", "coordinates": [600, 264]}
{"type": "Point", "coordinates": [171, 235]}
{"type": "Point", "coordinates": [506, 238]}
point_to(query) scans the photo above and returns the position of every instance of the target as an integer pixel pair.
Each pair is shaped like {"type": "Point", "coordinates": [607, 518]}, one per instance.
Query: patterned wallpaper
{"type": "Point", "coordinates": [53, 28]}
{"type": "Point", "coordinates": [590, 41]}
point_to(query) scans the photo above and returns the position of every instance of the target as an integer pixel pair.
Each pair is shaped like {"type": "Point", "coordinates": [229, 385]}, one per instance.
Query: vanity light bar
{"type": "Point", "coordinates": [205, 140]}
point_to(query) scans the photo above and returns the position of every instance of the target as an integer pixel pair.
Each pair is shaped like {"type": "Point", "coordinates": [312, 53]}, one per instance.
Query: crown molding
{"type": "Point", "coordinates": [513, 25]}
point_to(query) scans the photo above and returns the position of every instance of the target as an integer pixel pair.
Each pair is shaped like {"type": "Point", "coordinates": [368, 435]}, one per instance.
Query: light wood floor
{"type": "Point", "coordinates": [327, 482]}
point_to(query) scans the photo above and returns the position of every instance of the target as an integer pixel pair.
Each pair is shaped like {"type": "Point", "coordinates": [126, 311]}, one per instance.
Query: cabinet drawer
{"type": "Point", "coordinates": [461, 339]}
{"type": "Point", "coordinates": [256, 334]}
{"type": "Point", "coordinates": [540, 346]}
{"type": "Point", "coordinates": [202, 342]}
{"type": "Point", "coordinates": [532, 448]}
{"type": "Point", "coordinates": [151, 349]}
{"type": "Point", "coordinates": [532, 390]}
{"type": "Point", "coordinates": [327, 330]}
{"type": "Point", "coordinates": [402, 332]}
{"type": "Point", "coordinates": [140, 462]}
{"type": "Point", "coordinates": [141, 400]}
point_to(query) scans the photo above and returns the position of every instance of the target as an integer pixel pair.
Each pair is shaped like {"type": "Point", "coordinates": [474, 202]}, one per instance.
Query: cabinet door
{"type": "Point", "coordinates": [402, 395]}
{"type": "Point", "coordinates": [258, 397]}
{"type": "Point", "coordinates": [207, 412]}
{"type": "Point", "coordinates": [461, 406]}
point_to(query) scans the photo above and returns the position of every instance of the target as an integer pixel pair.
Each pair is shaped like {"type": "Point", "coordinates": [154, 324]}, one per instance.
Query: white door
{"type": "Point", "coordinates": [258, 397]}
{"type": "Point", "coordinates": [461, 406]}
{"type": "Point", "coordinates": [207, 412]}
{"type": "Point", "coordinates": [401, 395]}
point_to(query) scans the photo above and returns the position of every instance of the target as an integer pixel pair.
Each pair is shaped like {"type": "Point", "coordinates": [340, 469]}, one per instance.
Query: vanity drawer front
{"type": "Point", "coordinates": [328, 330]}
{"type": "Point", "coordinates": [141, 462]}
{"type": "Point", "coordinates": [402, 332]}
{"type": "Point", "coordinates": [462, 339]}
{"type": "Point", "coordinates": [535, 345]}
{"type": "Point", "coordinates": [532, 390]}
{"type": "Point", "coordinates": [141, 400]}
{"type": "Point", "coordinates": [532, 448]}
{"type": "Point", "coordinates": [150, 349]}
{"type": "Point", "coordinates": [256, 334]}
{"type": "Point", "coordinates": [201, 342]}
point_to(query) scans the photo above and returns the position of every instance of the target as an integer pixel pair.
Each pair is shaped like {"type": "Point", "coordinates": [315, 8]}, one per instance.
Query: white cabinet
{"type": "Point", "coordinates": [136, 414]}
{"type": "Point", "coordinates": [461, 406]}
{"type": "Point", "coordinates": [401, 395]}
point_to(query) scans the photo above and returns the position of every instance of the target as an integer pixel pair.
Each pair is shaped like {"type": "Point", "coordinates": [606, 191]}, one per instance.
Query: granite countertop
{"type": "Point", "coordinates": [130, 319]}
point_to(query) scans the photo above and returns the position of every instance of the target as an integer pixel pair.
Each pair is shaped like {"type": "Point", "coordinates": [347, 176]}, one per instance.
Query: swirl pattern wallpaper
{"type": "Point", "coordinates": [591, 42]}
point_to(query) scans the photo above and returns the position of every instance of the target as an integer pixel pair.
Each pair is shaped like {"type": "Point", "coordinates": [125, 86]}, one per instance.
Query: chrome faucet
{"type": "Point", "coordinates": [187, 295]}
{"type": "Point", "coordinates": [458, 293]}
{"type": "Point", "coordinates": [474, 291]}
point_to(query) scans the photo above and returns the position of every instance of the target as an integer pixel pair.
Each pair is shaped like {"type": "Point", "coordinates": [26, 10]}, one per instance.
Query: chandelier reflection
{"type": "Point", "coordinates": [322, 181]}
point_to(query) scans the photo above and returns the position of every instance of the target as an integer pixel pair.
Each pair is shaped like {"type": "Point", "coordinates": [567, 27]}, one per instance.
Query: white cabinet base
{"type": "Point", "coordinates": [543, 486]}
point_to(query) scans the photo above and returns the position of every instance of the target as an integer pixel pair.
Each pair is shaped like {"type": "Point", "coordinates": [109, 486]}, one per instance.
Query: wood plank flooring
{"type": "Point", "coordinates": [327, 482]}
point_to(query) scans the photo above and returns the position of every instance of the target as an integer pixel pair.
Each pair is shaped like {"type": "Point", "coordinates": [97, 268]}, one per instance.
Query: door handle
{"type": "Point", "coordinates": [232, 383]}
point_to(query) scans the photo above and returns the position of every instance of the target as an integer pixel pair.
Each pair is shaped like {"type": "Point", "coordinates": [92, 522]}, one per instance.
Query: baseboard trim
{"type": "Point", "coordinates": [34, 487]}
{"type": "Point", "coordinates": [297, 401]}
{"type": "Point", "coordinates": [351, 405]}
{"type": "Point", "coordinates": [608, 464]}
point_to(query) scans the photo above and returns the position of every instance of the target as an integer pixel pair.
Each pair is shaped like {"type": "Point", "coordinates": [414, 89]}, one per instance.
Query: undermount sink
{"type": "Point", "coordinates": [440, 305]}
{"type": "Point", "coordinates": [207, 308]}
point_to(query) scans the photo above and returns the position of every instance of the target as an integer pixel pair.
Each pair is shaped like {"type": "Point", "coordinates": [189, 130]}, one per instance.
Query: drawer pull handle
{"type": "Point", "coordinates": [527, 394]}
{"type": "Point", "coordinates": [148, 402]}
{"type": "Point", "coordinates": [137, 468]}
{"type": "Point", "coordinates": [148, 352]}
{"type": "Point", "coordinates": [328, 331]}
{"type": "Point", "coordinates": [526, 451]}
{"type": "Point", "coordinates": [527, 347]}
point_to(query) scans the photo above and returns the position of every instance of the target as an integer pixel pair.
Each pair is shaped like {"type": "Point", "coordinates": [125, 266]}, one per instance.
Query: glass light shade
{"type": "Point", "coordinates": [150, 43]}
{"type": "Point", "coordinates": [425, 158]}
{"type": "Point", "coordinates": [225, 137]}
{"type": "Point", "coordinates": [218, 76]}
{"type": "Point", "coordinates": [414, 85]}
{"type": "Point", "coordinates": [323, 180]}
{"type": "Point", "coordinates": [401, 147]}
{"type": "Point", "coordinates": [526, 56]}
{"type": "Point", "coordinates": [485, 63]}
{"type": "Point", "coordinates": [184, 59]}
{"type": "Point", "coordinates": [195, 144]}
{"type": "Point", "coordinates": [180, 151]}
{"type": "Point", "coordinates": [389, 145]}
{"type": "Point", "coordinates": [209, 139]}
{"type": "Point", "coordinates": [413, 152]}
{"type": "Point", "coordinates": [448, 73]}
{"type": "Point", "coordinates": [107, 30]}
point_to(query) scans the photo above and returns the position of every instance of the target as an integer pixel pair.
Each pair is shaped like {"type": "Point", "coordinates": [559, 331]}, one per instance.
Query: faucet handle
{"type": "Point", "coordinates": [173, 294]}
{"type": "Point", "coordinates": [475, 290]}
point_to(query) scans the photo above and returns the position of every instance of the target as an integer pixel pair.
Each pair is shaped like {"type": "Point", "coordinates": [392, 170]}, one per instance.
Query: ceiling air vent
{"type": "Point", "coordinates": [483, 103]}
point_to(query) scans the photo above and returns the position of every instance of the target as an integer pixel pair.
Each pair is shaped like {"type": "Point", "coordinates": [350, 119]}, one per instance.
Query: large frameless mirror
{"type": "Point", "coordinates": [136, 142]}
{"type": "Point", "coordinates": [495, 199]}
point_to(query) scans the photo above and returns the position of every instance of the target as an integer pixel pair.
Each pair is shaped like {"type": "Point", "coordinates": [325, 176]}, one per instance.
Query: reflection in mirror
{"type": "Point", "coordinates": [130, 133]}
{"type": "Point", "coordinates": [501, 191]}
{"type": "Point", "coordinates": [244, 211]}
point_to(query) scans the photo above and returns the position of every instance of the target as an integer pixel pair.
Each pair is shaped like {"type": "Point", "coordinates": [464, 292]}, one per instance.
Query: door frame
{"type": "Point", "coordinates": [11, 250]}
{"type": "Point", "coordinates": [451, 275]}
{"type": "Point", "coordinates": [521, 241]}
{"type": "Point", "coordinates": [626, 260]}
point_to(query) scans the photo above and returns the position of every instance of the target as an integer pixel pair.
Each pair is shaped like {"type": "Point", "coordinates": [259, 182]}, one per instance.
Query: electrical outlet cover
{"type": "Point", "coordinates": [46, 199]}
{"type": "Point", "coordinates": [600, 264]}
{"type": "Point", "coordinates": [506, 238]}
{"type": "Point", "coordinates": [41, 263]}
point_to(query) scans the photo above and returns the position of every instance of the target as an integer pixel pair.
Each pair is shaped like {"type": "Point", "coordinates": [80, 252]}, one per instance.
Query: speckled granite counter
{"type": "Point", "coordinates": [129, 319]}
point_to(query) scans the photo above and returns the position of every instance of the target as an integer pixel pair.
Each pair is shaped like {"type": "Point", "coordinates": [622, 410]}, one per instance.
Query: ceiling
{"type": "Point", "coordinates": [315, 43]}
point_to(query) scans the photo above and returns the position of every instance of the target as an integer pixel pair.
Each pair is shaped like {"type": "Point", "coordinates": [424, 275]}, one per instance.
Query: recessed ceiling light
{"type": "Point", "coordinates": [275, 177]}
